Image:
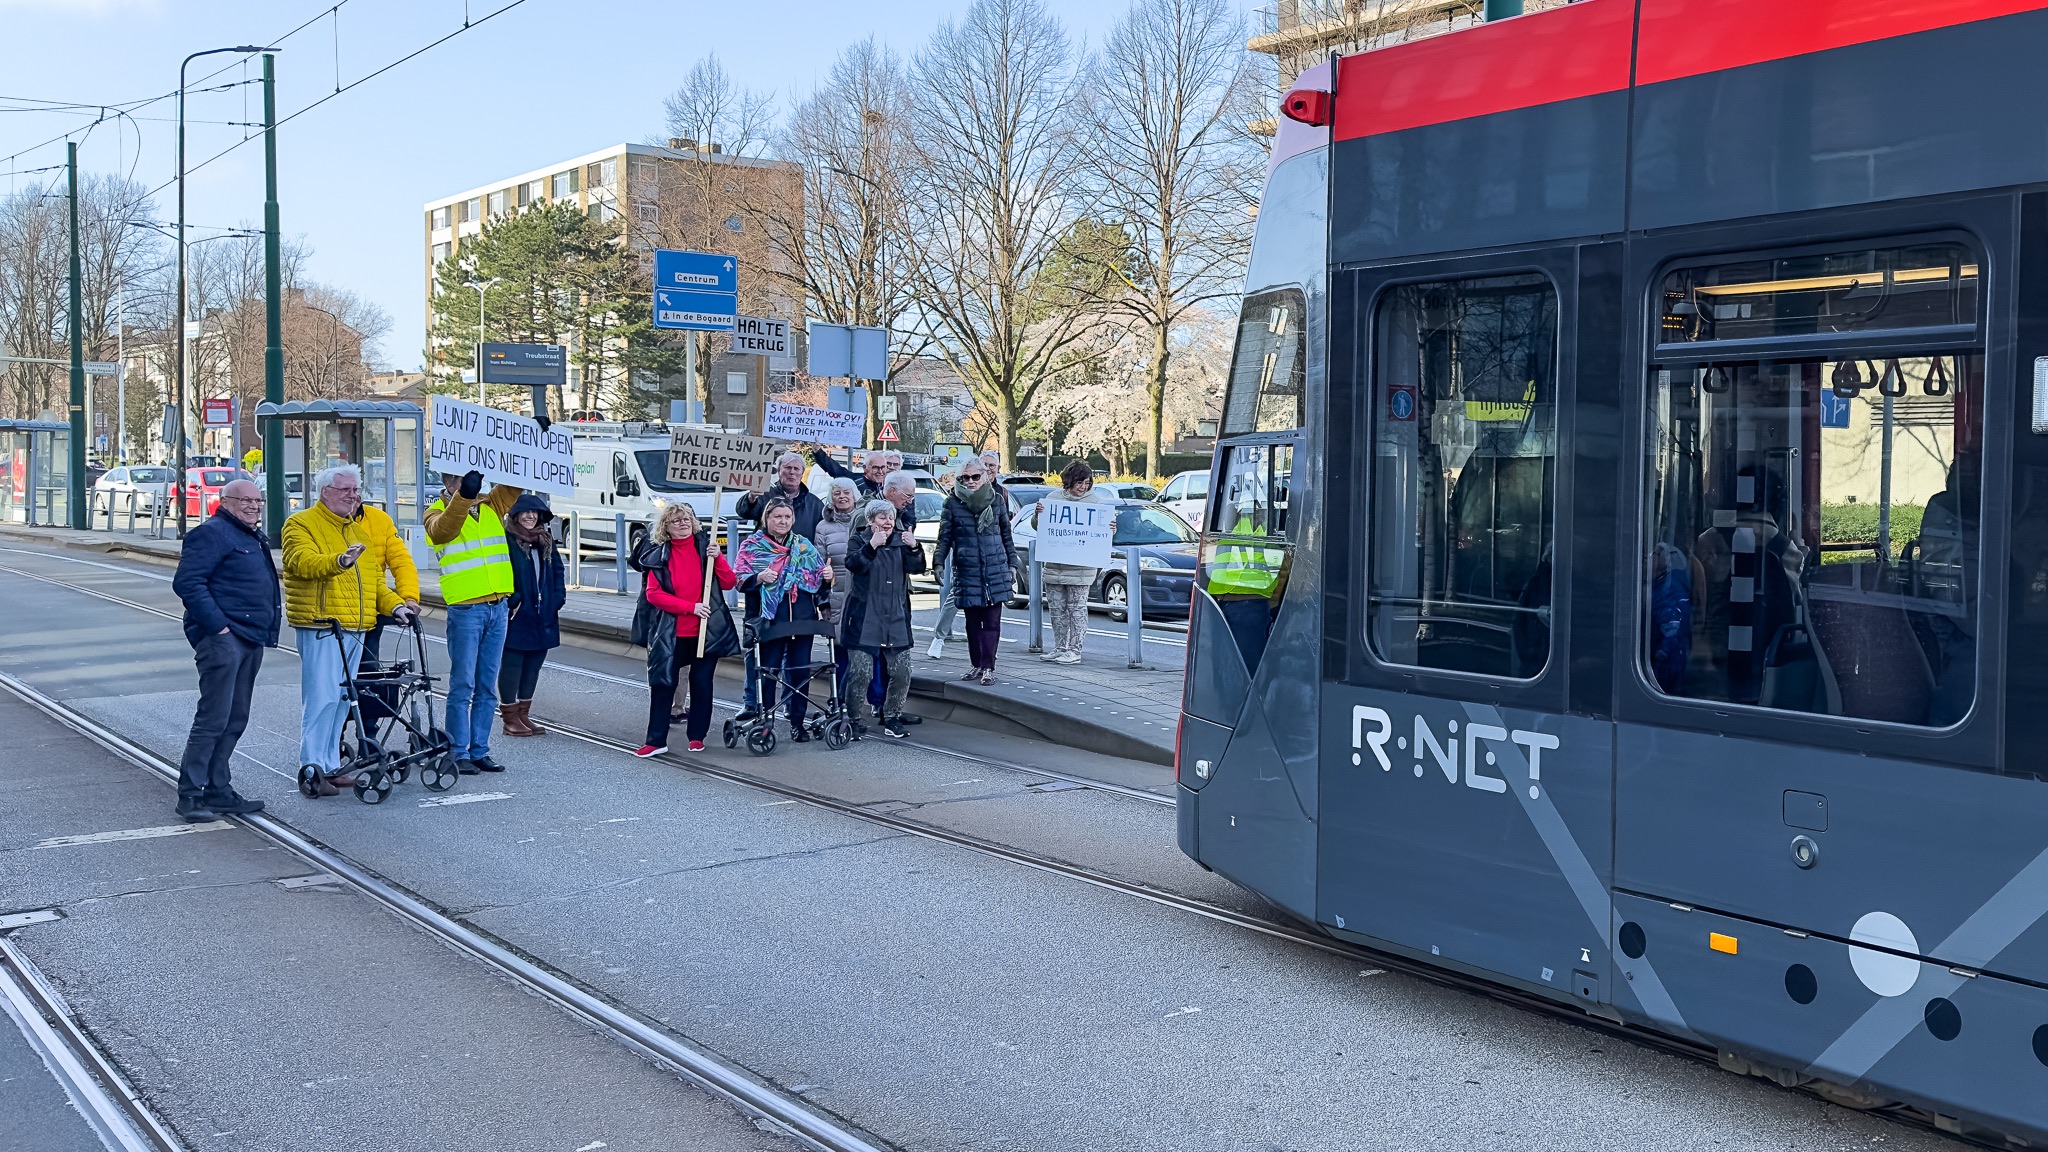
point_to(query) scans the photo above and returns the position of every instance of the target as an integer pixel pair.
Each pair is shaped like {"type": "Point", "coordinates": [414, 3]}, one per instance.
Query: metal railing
{"type": "Point", "coordinates": [593, 556]}
{"type": "Point", "coordinates": [1133, 606]}
{"type": "Point", "coordinates": [126, 512]}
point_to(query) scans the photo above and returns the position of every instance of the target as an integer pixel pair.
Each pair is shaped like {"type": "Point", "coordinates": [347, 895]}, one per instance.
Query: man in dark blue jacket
{"type": "Point", "coordinates": [229, 585]}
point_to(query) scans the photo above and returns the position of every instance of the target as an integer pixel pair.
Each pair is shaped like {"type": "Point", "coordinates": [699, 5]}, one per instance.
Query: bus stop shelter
{"type": "Point", "coordinates": [35, 472]}
{"type": "Point", "coordinates": [382, 437]}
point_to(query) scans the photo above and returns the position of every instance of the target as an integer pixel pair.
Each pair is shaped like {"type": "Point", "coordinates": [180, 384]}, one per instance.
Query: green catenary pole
{"type": "Point", "coordinates": [1502, 9]}
{"type": "Point", "coordinates": [81, 515]}
{"type": "Point", "coordinates": [273, 320]}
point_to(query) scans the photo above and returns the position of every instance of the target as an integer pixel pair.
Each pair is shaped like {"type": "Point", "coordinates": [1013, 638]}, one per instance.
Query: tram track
{"type": "Point", "coordinates": [1285, 929]}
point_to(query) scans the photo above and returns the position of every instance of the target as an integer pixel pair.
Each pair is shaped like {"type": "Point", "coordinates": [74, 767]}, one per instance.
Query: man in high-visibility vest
{"type": "Point", "coordinates": [1244, 577]}
{"type": "Point", "coordinates": [468, 535]}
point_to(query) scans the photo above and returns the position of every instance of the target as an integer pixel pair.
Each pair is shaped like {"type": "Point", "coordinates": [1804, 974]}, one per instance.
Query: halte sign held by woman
{"type": "Point", "coordinates": [506, 447]}
{"type": "Point", "coordinates": [1075, 532]}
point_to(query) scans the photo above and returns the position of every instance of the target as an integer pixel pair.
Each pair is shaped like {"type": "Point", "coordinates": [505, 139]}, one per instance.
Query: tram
{"type": "Point", "coordinates": [1626, 572]}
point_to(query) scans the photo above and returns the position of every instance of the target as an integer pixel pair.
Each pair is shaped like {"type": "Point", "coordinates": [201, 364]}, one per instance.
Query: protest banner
{"type": "Point", "coordinates": [722, 460]}
{"type": "Point", "coordinates": [814, 425]}
{"type": "Point", "coordinates": [506, 447]}
{"type": "Point", "coordinates": [1071, 532]}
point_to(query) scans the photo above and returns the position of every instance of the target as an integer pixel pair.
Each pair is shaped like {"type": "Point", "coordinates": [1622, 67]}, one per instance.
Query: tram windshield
{"type": "Point", "coordinates": [1464, 453]}
{"type": "Point", "coordinates": [1270, 364]}
{"type": "Point", "coordinates": [1815, 534]}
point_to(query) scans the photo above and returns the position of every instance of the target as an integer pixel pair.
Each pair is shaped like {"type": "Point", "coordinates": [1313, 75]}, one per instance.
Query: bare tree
{"type": "Point", "coordinates": [992, 189]}
{"type": "Point", "coordinates": [1172, 169]}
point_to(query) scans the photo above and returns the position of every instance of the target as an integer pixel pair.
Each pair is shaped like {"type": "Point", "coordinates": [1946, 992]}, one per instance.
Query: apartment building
{"type": "Point", "coordinates": [680, 196]}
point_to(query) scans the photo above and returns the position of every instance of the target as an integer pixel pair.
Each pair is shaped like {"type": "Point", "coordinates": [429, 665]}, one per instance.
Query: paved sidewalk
{"type": "Point", "coordinates": [1098, 704]}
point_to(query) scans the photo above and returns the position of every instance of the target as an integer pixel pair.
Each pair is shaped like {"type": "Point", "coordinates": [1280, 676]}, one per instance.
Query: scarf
{"type": "Point", "coordinates": [982, 502]}
{"type": "Point", "coordinates": [535, 538]}
{"type": "Point", "coordinates": [783, 570]}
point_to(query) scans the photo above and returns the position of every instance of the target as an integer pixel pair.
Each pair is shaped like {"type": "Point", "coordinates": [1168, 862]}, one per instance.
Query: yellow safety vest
{"type": "Point", "coordinates": [1240, 569]}
{"type": "Point", "coordinates": [477, 563]}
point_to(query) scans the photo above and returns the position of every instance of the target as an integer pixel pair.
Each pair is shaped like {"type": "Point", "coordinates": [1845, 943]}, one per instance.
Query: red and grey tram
{"type": "Point", "coordinates": [1626, 572]}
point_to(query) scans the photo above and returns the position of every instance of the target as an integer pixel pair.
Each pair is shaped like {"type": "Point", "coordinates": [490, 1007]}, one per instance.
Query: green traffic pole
{"type": "Point", "coordinates": [1502, 9]}
{"type": "Point", "coordinates": [81, 516]}
{"type": "Point", "coordinates": [273, 322]}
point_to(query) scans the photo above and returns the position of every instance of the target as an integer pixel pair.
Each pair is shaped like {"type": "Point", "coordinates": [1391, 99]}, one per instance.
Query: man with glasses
{"type": "Point", "coordinates": [229, 586]}
{"type": "Point", "coordinates": [336, 556]}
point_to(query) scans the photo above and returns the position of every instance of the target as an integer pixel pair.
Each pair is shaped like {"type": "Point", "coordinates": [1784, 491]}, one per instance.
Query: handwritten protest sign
{"type": "Point", "coordinates": [1075, 533]}
{"type": "Point", "coordinates": [721, 459]}
{"type": "Point", "coordinates": [505, 447]}
{"type": "Point", "coordinates": [814, 425]}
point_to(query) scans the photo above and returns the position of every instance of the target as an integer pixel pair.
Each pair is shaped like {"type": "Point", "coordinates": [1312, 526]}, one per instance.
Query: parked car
{"type": "Point", "coordinates": [150, 483]}
{"type": "Point", "coordinates": [1128, 489]}
{"type": "Point", "coordinates": [619, 474]}
{"type": "Point", "coordinates": [1187, 496]}
{"type": "Point", "coordinates": [1023, 496]}
{"type": "Point", "coordinates": [1167, 552]}
{"type": "Point", "coordinates": [201, 490]}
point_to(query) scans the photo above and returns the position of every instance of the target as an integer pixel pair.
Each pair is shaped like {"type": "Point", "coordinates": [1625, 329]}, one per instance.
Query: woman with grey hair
{"type": "Point", "coordinates": [875, 623]}
{"type": "Point", "coordinates": [835, 532]}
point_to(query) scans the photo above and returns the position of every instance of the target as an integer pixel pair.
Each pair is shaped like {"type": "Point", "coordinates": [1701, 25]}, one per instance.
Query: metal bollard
{"type": "Point", "coordinates": [619, 550]}
{"type": "Point", "coordinates": [575, 549]}
{"type": "Point", "coordinates": [1033, 586]}
{"type": "Point", "coordinates": [131, 511]}
{"type": "Point", "coordinates": [1134, 608]}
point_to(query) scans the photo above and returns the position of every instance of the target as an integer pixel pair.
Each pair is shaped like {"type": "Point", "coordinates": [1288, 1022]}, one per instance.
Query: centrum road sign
{"type": "Point", "coordinates": [706, 271]}
{"type": "Point", "coordinates": [697, 291]}
{"type": "Point", "coordinates": [696, 311]}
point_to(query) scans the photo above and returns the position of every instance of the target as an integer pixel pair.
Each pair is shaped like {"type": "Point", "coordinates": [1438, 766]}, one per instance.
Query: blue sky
{"type": "Point", "coordinates": [544, 81]}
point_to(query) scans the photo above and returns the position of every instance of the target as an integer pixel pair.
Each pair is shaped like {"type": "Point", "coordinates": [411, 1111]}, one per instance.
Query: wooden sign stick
{"type": "Point", "coordinates": [710, 560]}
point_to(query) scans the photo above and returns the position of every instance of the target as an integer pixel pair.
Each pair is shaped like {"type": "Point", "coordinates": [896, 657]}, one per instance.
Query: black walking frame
{"type": "Point", "coordinates": [387, 703]}
{"type": "Point", "coordinates": [828, 720]}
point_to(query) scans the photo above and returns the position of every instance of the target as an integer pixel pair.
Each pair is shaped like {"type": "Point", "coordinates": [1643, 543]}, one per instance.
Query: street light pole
{"type": "Point", "coordinates": [273, 316]}
{"type": "Point", "coordinates": [481, 286]}
{"type": "Point", "coordinates": [178, 331]}
{"type": "Point", "coordinates": [81, 516]}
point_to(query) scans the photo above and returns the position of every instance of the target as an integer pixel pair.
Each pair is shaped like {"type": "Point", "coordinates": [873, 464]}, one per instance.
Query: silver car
{"type": "Point", "coordinates": [150, 484]}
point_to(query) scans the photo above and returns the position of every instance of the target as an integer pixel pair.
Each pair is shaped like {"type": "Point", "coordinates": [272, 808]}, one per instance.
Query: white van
{"type": "Point", "coordinates": [1186, 495]}
{"type": "Point", "coordinates": [622, 469]}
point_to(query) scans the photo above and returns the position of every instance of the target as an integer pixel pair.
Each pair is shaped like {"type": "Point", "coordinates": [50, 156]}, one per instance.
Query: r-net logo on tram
{"type": "Point", "coordinates": [1481, 742]}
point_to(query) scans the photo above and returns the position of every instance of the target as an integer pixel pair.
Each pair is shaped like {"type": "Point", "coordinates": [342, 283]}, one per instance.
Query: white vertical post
{"type": "Point", "coordinates": [576, 549]}
{"type": "Point", "coordinates": [1134, 608]}
{"type": "Point", "coordinates": [619, 550]}
{"type": "Point", "coordinates": [1034, 581]}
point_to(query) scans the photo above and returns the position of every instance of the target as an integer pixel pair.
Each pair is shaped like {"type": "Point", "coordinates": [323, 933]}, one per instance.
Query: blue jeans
{"type": "Point", "coordinates": [476, 649]}
{"type": "Point", "coordinates": [322, 708]}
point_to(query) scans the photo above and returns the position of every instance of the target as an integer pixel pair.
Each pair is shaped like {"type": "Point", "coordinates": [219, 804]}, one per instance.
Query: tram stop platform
{"type": "Point", "coordinates": [1100, 704]}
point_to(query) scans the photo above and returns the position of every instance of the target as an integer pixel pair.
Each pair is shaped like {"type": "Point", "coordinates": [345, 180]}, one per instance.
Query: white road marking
{"type": "Point", "coordinates": [24, 919]}
{"type": "Point", "coordinates": [1180, 1012]}
{"type": "Point", "coordinates": [777, 803]}
{"type": "Point", "coordinates": [466, 798]}
{"type": "Point", "coordinates": [131, 834]}
{"type": "Point", "coordinates": [956, 783]}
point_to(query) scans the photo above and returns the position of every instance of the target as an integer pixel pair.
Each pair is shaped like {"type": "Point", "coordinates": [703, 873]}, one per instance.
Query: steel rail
{"type": "Point", "coordinates": [785, 1112]}
{"type": "Point", "coordinates": [109, 1105]}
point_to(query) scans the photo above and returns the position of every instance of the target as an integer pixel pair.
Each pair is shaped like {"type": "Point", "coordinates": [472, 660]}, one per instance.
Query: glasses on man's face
{"type": "Point", "coordinates": [241, 499]}
{"type": "Point", "coordinates": [338, 490]}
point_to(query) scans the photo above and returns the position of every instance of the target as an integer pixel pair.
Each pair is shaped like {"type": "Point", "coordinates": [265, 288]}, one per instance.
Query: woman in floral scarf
{"type": "Point", "coordinates": [787, 572]}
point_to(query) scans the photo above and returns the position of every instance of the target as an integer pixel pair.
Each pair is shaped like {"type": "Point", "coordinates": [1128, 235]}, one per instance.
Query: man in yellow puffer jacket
{"type": "Point", "coordinates": [336, 554]}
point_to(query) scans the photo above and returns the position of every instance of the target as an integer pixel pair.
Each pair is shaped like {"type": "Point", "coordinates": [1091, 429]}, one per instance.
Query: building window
{"type": "Point", "coordinates": [440, 219]}
{"type": "Point", "coordinates": [441, 252]}
{"type": "Point", "coordinates": [602, 211]}
{"type": "Point", "coordinates": [1814, 515]}
{"type": "Point", "coordinates": [645, 213]}
{"type": "Point", "coordinates": [1464, 475]}
{"type": "Point", "coordinates": [563, 185]}
{"type": "Point", "coordinates": [1267, 371]}
{"type": "Point", "coordinates": [608, 172]}
{"type": "Point", "coordinates": [473, 209]}
{"type": "Point", "coordinates": [529, 192]}
{"type": "Point", "coordinates": [499, 204]}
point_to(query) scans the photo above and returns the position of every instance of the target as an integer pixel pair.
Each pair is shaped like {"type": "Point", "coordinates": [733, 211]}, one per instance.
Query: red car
{"type": "Point", "coordinates": [202, 486]}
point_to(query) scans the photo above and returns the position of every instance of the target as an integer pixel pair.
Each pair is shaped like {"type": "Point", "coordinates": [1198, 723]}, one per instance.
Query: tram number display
{"type": "Point", "coordinates": [1483, 746]}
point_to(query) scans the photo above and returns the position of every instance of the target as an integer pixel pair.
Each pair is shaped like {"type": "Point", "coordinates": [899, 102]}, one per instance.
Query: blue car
{"type": "Point", "coordinates": [1167, 552]}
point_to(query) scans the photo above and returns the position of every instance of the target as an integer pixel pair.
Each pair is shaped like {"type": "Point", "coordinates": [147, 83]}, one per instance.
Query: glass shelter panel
{"type": "Point", "coordinates": [1464, 475]}
{"type": "Point", "coordinates": [1270, 365]}
{"type": "Point", "coordinates": [1814, 534]}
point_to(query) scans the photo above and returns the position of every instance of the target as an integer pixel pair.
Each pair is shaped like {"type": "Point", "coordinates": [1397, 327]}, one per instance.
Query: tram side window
{"type": "Point", "coordinates": [1257, 482]}
{"type": "Point", "coordinates": [1814, 534]}
{"type": "Point", "coordinates": [1464, 475]}
{"type": "Point", "coordinates": [1269, 366]}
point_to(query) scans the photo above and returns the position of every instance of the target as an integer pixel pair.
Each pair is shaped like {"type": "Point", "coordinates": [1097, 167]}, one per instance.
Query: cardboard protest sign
{"type": "Point", "coordinates": [1075, 533]}
{"type": "Point", "coordinates": [722, 459]}
{"type": "Point", "coordinates": [814, 425]}
{"type": "Point", "coordinates": [507, 448]}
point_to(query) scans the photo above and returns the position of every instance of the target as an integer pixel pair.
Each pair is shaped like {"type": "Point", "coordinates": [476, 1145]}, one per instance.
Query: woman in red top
{"type": "Point", "coordinates": [674, 566]}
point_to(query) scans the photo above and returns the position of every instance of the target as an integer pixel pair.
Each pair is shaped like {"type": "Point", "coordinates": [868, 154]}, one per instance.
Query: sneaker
{"type": "Point", "coordinates": [799, 736]}
{"type": "Point", "coordinates": [1052, 657]}
{"type": "Point", "coordinates": [971, 674]}
{"type": "Point", "coordinates": [695, 746]}
{"type": "Point", "coordinates": [647, 750]}
{"type": "Point", "coordinates": [197, 814]}
{"type": "Point", "coordinates": [466, 767]}
{"type": "Point", "coordinates": [895, 729]}
{"type": "Point", "coordinates": [909, 718]}
{"type": "Point", "coordinates": [988, 677]}
{"type": "Point", "coordinates": [484, 763]}
{"type": "Point", "coordinates": [746, 715]}
{"type": "Point", "coordinates": [1068, 658]}
{"type": "Point", "coordinates": [237, 806]}
{"type": "Point", "coordinates": [938, 648]}
{"type": "Point", "coordinates": [860, 730]}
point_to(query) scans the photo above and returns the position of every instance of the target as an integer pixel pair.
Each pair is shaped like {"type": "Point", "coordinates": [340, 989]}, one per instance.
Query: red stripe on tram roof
{"type": "Point", "coordinates": [1681, 38]}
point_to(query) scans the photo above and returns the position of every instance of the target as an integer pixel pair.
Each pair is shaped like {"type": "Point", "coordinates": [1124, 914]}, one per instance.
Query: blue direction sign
{"type": "Point", "coordinates": [1834, 410]}
{"type": "Point", "coordinates": [707, 271]}
{"type": "Point", "coordinates": [696, 311]}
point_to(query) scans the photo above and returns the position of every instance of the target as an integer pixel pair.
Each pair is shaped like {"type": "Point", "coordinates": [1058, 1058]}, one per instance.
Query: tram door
{"type": "Point", "coordinates": [1464, 810]}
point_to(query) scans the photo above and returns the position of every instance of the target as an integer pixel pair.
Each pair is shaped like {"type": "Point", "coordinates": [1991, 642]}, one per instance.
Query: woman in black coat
{"type": "Point", "coordinates": [539, 589]}
{"type": "Point", "coordinates": [974, 533]}
{"type": "Point", "coordinates": [874, 624]}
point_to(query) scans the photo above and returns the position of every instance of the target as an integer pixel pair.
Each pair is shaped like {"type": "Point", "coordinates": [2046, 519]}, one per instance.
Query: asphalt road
{"type": "Point", "coordinates": [936, 996]}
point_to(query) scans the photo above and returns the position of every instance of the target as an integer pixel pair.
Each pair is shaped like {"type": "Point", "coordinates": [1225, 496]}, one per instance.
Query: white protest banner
{"type": "Point", "coordinates": [814, 425]}
{"type": "Point", "coordinates": [721, 459]}
{"type": "Point", "coordinates": [507, 448]}
{"type": "Point", "coordinates": [1071, 532]}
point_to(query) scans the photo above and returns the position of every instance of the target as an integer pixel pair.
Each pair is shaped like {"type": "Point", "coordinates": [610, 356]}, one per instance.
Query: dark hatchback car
{"type": "Point", "coordinates": [1167, 552]}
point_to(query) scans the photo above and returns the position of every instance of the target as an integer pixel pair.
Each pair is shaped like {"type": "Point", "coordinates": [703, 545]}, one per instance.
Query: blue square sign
{"type": "Point", "coordinates": [695, 311]}
{"type": "Point", "coordinates": [1834, 410]}
{"type": "Point", "coordinates": [703, 271]}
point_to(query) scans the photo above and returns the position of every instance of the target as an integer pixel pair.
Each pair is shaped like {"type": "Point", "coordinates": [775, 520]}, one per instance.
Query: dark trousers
{"type": "Point", "coordinates": [519, 675]}
{"type": "Point", "coordinates": [662, 697]}
{"type": "Point", "coordinates": [984, 631]}
{"type": "Point", "coordinates": [227, 676]}
{"type": "Point", "coordinates": [784, 661]}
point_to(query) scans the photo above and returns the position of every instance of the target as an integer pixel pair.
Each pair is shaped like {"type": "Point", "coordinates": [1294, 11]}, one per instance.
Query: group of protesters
{"type": "Point", "coordinates": [837, 568]}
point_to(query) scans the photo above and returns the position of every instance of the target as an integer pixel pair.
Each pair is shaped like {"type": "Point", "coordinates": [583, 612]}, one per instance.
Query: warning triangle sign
{"type": "Point", "coordinates": [888, 431]}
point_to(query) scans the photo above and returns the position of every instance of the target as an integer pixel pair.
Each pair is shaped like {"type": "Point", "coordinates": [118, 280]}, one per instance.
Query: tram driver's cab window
{"type": "Point", "coordinates": [1814, 516]}
{"type": "Point", "coordinates": [1269, 367]}
{"type": "Point", "coordinates": [1464, 445]}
